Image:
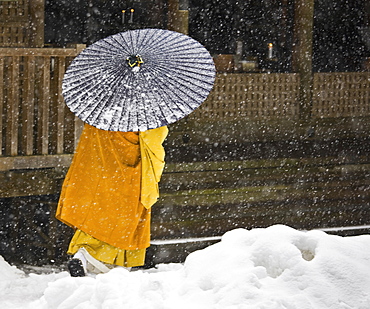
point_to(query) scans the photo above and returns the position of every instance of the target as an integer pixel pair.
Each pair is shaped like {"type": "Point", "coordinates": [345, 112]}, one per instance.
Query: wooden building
{"type": "Point", "coordinates": [265, 148]}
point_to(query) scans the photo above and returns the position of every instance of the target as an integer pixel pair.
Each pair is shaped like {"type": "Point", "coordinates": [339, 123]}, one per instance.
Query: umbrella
{"type": "Point", "coordinates": [138, 80]}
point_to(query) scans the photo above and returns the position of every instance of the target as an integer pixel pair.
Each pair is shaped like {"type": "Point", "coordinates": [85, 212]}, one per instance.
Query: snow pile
{"type": "Point", "coordinates": [17, 290]}
{"type": "Point", "coordinates": [8, 272]}
{"type": "Point", "coordinates": [272, 268]}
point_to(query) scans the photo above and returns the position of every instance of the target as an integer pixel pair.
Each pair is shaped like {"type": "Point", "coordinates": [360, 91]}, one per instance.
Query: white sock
{"type": "Point", "coordinates": [90, 259]}
{"type": "Point", "coordinates": [79, 255]}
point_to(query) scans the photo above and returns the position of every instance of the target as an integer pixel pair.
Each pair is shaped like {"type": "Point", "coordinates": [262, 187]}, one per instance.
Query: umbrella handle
{"type": "Point", "coordinates": [134, 61]}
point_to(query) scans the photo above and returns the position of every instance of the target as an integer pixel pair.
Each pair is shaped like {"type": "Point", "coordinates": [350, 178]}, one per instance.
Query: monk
{"type": "Point", "coordinates": [107, 196]}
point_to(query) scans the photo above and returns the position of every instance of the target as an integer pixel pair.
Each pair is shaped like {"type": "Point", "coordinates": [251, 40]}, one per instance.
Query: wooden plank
{"type": "Point", "coordinates": [234, 179]}
{"type": "Point", "coordinates": [263, 193]}
{"type": "Point", "coordinates": [36, 16]}
{"type": "Point", "coordinates": [65, 52]}
{"type": "Point", "coordinates": [302, 52]}
{"type": "Point", "coordinates": [53, 107]}
{"type": "Point", "coordinates": [13, 108]}
{"type": "Point", "coordinates": [60, 108]}
{"type": "Point", "coordinates": [235, 165]}
{"type": "Point", "coordinates": [2, 99]}
{"type": "Point", "coordinates": [28, 113]}
{"type": "Point", "coordinates": [35, 162]}
{"type": "Point", "coordinates": [44, 105]}
{"type": "Point", "coordinates": [178, 20]}
{"type": "Point", "coordinates": [30, 182]}
{"type": "Point", "coordinates": [202, 221]}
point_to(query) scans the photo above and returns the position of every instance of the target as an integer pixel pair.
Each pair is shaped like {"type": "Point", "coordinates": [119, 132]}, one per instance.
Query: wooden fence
{"type": "Point", "coordinates": [34, 119]}
{"type": "Point", "coordinates": [14, 17]}
{"type": "Point", "coordinates": [341, 95]}
{"type": "Point", "coordinates": [276, 96]}
{"type": "Point", "coordinates": [22, 23]}
{"type": "Point", "coordinates": [253, 107]}
{"type": "Point", "coordinates": [251, 96]}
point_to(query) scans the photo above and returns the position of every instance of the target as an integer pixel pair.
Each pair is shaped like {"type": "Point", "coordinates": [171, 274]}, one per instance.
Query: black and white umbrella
{"type": "Point", "coordinates": [138, 80]}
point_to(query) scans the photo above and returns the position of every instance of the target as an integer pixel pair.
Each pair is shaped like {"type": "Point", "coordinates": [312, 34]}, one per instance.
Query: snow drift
{"type": "Point", "coordinates": [273, 268]}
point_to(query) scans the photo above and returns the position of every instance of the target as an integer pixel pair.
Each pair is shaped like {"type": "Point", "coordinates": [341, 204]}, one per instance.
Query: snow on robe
{"type": "Point", "coordinates": [111, 185]}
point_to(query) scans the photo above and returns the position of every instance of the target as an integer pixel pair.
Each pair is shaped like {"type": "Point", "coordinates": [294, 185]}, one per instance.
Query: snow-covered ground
{"type": "Point", "coordinates": [273, 268]}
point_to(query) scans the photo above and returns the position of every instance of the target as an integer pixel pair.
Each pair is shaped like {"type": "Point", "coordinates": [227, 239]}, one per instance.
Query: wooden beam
{"type": "Point", "coordinates": [13, 108]}
{"type": "Point", "coordinates": [302, 52]}
{"type": "Point", "coordinates": [31, 182]}
{"type": "Point", "coordinates": [2, 99]}
{"type": "Point", "coordinates": [65, 52]}
{"type": "Point", "coordinates": [60, 108]}
{"type": "Point", "coordinates": [44, 107]}
{"type": "Point", "coordinates": [28, 112]}
{"type": "Point", "coordinates": [35, 162]}
{"type": "Point", "coordinates": [37, 17]}
{"type": "Point", "coordinates": [178, 20]}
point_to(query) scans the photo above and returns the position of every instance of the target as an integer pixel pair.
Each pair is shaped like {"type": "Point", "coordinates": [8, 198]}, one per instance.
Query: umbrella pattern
{"type": "Point", "coordinates": [138, 80]}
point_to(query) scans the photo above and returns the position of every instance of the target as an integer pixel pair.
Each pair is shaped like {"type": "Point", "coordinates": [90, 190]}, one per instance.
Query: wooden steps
{"type": "Point", "coordinates": [208, 198]}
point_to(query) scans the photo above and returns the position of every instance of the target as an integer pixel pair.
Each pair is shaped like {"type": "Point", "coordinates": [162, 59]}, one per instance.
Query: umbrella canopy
{"type": "Point", "coordinates": [138, 80]}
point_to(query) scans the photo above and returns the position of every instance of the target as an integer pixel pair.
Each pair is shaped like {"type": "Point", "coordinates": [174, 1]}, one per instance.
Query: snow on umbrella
{"type": "Point", "coordinates": [138, 80]}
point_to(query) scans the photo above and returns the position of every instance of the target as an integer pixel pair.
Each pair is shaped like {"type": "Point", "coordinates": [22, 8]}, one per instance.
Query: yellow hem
{"type": "Point", "coordinates": [106, 253]}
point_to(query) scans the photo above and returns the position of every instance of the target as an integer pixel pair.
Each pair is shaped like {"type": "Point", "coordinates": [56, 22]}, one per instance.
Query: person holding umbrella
{"type": "Point", "coordinates": [107, 195]}
{"type": "Point", "coordinates": [126, 88]}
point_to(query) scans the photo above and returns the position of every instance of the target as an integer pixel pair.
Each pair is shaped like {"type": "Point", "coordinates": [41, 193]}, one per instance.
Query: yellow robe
{"type": "Point", "coordinates": [111, 185]}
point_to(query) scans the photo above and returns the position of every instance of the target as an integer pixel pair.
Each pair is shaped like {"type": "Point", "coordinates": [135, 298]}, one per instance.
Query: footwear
{"type": "Point", "coordinates": [76, 268]}
{"type": "Point", "coordinates": [91, 263]}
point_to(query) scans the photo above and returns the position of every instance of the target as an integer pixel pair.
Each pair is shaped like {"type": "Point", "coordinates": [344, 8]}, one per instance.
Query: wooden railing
{"type": "Point", "coordinates": [252, 96]}
{"type": "Point", "coordinates": [276, 96]}
{"type": "Point", "coordinates": [22, 23]}
{"type": "Point", "coordinates": [259, 106]}
{"type": "Point", "coordinates": [34, 118]}
{"type": "Point", "coordinates": [35, 121]}
{"type": "Point", "coordinates": [341, 95]}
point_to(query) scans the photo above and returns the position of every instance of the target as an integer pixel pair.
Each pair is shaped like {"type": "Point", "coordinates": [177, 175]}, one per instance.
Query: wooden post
{"type": "Point", "coordinates": [178, 20]}
{"type": "Point", "coordinates": [37, 8]}
{"type": "Point", "coordinates": [13, 107]}
{"type": "Point", "coordinates": [28, 111]}
{"type": "Point", "coordinates": [44, 106]}
{"type": "Point", "coordinates": [60, 106]}
{"type": "Point", "coordinates": [1, 101]}
{"type": "Point", "coordinates": [302, 52]}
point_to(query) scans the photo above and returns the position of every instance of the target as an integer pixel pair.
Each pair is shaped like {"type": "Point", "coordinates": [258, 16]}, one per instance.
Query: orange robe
{"type": "Point", "coordinates": [102, 194]}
